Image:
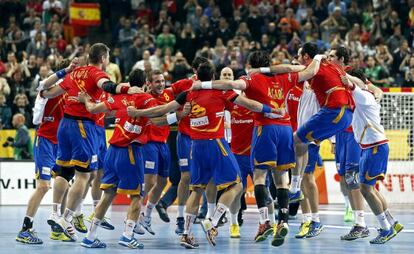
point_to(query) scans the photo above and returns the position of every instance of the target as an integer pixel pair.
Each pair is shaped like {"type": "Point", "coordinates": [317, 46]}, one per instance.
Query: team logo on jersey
{"type": "Point", "coordinates": [111, 100]}
{"type": "Point", "coordinates": [127, 103]}
{"type": "Point", "coordinates": [197, 110]}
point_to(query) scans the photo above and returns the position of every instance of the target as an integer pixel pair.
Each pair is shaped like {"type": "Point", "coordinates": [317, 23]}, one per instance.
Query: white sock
{"type": "Point", "coordinates": [68, 215]}
{"type": "Point", "coordinates": [306, 217]}
{"type": "Point", "coordinates": [295, 184]}
{"type": "Point", "coordinates": [390, 219]}
{"type": "Point", "coordinates": [148, 210]}
{"type": "Point", "coordinates": [211, 207]}
{"type": "Point", "coordinates": [78, 210]}
{"type": "Point", "coordinates": [315, 217]}
{"type": "Point", "coordinates": [92, 232]}
{"type": "Point", "coordinates": [129, 229]}
{"type": "Point", "coordinates": [233, 218]}
{"type": "Point", "coordinates": [272, 219]}
{"type": "Point", "coordinates": [95, 203]}
{"type": "Point", "coordinates": [220, 210]}
{"type": "Point", "coordinates": [347, 204]}
{"type": "Point", "coordinates": [382, 219]}
{"type": "Point", "coordinates": [180, 211]}
{"type": "Point", "coordinates": [56, 209]}
{"type": "Point", "coordinates": [264, 215]}
{"type": "Point", "coordinates": [189, 220]}
{"type": "Point", "coordinates": [359, 218]}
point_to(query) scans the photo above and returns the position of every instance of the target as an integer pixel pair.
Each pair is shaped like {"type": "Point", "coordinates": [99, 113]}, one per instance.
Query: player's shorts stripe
{"type": "Point", "coordinates": [223, 150]}
{"type": "Point", "coordinates": [259, 130]}
{"type": "Point", "coordinates": [286, 166]}
{"type": "Point", "coordinates": [82, 129]}
{"type": "Point", "coordinates": [131, 155]}
{"type": "Point", "coordinates": [309, 136]}
{"type": "Point", "coordinates": [37, 175]}
{"type": "Point", "coordinates": [193, 186]}
{"type": "Point", "coordinates": [369, 178]}
{"type": "Point", "coordinates": [225, 185]}
{"type": "Point", "coordinates": [37, 141]}
{"type": "Point", "coordinates": [375, 150]}
{"type": "Point", "coordinates": [80, 163]}
{"type": "Point", "coordinates": [340, 115]}
{"type": "Point", "coordinates": [136, 192]}
{"type": "Point", "coordinates": [268, 163]}
{"type": "Point", "coordinates": [64, 163]}
{"type": "Point", "coordinates": [105, 186]}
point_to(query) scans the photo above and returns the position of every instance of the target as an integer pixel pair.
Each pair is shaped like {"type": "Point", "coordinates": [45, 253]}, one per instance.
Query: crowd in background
{"type": "Point", "coordinates": [168, 34]}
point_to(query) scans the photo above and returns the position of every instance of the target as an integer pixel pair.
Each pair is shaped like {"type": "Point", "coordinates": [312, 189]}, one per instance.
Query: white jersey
{"type": "Point", "coordinates": [366, 120]}
{"type": "Point", "coordinates": [308, 105]}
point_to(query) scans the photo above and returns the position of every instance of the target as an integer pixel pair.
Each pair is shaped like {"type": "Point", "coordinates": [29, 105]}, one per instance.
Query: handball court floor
{"type": "Point", "coordinates": [165, 239]}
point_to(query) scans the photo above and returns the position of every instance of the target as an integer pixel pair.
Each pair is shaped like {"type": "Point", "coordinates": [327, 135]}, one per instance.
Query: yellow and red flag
{"type": "Point", "coordinates": [85, 14]}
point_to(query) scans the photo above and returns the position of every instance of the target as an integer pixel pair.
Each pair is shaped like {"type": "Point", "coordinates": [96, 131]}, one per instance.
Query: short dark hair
{"type": "Point", "coordinates": [205, 72]}
{"type": "Point", "coordinates": [309, 48]}
{"type": "Point", "coordinates": [152, 73]}
{"type": "Point", "coordinates": [197, 61]}
{"type": "Point", "coordinates": [137, 78]}
{"type": "Point", "coordinates": [259, 59]}
{"type": "Point", "coordinates": [63, 64]}
{"type": "Point", "coordinates": [359, 73]}
{"type": "Point", "coordinates": [341, 51]}
{"type": "Point", "coordinates": [96, 51]}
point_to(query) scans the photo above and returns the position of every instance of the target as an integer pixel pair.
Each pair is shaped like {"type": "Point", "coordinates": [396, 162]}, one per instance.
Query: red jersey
{"type": "Point", "coordinates": [207, 113]}
{"type": "Point", "coordinates": [100, 117]}
{"type": "Point", "coordinates": [160, 133]}
{"type": "Point", "coordinates": [177, 88]}
{"type": "Point", "coordinates": [292, 103]}
{"type": "Point", "coordinates": [51, 118]}
{"type": "Point", "coordinates": [82, 79]}
{"type": "Point", "coordinates": [129, 129]}
{"type": "Point", "coordinates": [241, 129]}
{"type": "Point", "coordinates": [328, 87]}
{"type": "Point", "coordinates": [270, 90]}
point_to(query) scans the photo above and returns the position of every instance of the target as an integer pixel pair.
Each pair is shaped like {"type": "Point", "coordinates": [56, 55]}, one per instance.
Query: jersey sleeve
{"type": "Point", "coordinates": [65, 84]}
{"type": "Point", "coordinates": [247, 80]}
{"type": "Point", "coordinates": [289, 80]}
{"type": "Point", "coordinates": [96, 75]}
{"type": "Point", "coordinates": [181, 86]}
{"type": "Point", "coordinates": [230, 95]}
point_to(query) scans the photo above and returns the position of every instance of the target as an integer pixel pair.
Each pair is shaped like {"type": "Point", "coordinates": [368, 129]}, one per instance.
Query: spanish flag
{"type": "Point", "coordinates": [85, 14]}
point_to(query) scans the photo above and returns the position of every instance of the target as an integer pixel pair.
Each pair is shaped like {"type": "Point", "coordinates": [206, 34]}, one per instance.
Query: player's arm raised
{"type": "Point", "coordinates": [52, 79]}
{"type": "Point", "coordinates": [172, 118]}
{"type": "Point", "coordinates": [220, 85]}
{"type": "Point", "coordinates": [113, 88]}
{"type": "Point", "coordinates": [312, 68]}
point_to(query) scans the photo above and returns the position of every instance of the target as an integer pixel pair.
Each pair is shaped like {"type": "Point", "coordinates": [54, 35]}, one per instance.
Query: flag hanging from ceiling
{"type": "Point", "coordinates": [86, 14]}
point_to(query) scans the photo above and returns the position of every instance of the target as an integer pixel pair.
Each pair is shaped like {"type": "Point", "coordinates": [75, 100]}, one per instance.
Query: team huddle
{"type": "Point", "coordinates": [279, 116]}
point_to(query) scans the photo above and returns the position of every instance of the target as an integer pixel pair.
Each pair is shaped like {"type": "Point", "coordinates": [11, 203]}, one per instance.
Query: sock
{"type": "Point", "coordinates": [306, 217]}
{"type": "Point", "coordinates": [56, 209]}
{"type": "Point", "coordinates": [68, 215]}
{"type": "Point", "coordinates": [189, 220]}
{"type": "Point", "coordinates": [78, 210]}
{"type": "Point", "coordinates": [92, 232]}
{"type": "Point", "coordinates": [382, 219]}
{"type": "Point", "coordinates": [233, 218]}
{"type": "Point", "coordinates": [28, 223]}
{"type": "Point", "coordinates": [180, 211]}
{"type": "Point", "coordinates": [295, 184]}
{"type": "Point", "coordinates": [315, 217]}
{"type": "Point", "coordinates": [264, 215]}
{"type": "Point", "coordinates": [129, 229]}
{"type": "Point", "coordinates": [148, 210]}
{"type": "Point", "coordinates": [390, 219]}
{"type": "Point", "coordinates": [220, 210]}
{"type": "Point", "coordinates": [272, 219]}
{"type": "Point", "coordinates": [283, 201]}
{"type": "Point", "coordinates": [95, 203]}
{"type": "Point", "coordinates": [359, 218]}
{"type": "Point", "coordinates": [347, 204]}
{"type": "Point", "coordinates": [211, 207]}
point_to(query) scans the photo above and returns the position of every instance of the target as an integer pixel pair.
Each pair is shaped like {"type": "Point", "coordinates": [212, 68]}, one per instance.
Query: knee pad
{"type": "Point", "coordinates": [67, 173]}
{"type": "Point", "coordinates": [352, 179]}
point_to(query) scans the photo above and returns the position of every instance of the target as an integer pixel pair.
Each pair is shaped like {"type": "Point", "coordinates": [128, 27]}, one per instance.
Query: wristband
{"type": "Point", "coordinates": [61, 73]}
{"type": "Point", "coordinates": [172, 118]}
{"type": "Point", "coordinates": [207, 85]}
{"type": "Point", "coordinates": [264, 69]}
{"type": "Point", "coordinates": [124, 89]}
{"type": "Point", "coordinates": [266, 109]}
{"type": "Point", "coordinates": [318, 57]}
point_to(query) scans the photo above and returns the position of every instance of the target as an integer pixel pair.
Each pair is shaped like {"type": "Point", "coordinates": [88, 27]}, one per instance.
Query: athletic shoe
{"type": "Point", "coordinates": [384, 236]}
{"type": "Point", "coordinates": [79, 224]}
{"type": "Point", "coordinates": [303, 230]}
{"type": "Point", "coordinates": [29, 237]}
{"type": "Point", "coordinates": [188, 242]}
{"type": "Point", "coordinates": [355, 233]}
{"type": "Point", "coordinates": [349, 214]}
{"type": "Point", "coordinates": [263, 231]}
{"type": "Point", "coordinates": [95, 244]}
{"type": "Point", "coordinates": [315, 228]}
{"type": "Point", "coordinates": [138, 229]}
{"type": "Point", "coordinates": [130, 243]}
{"type": "Point", "coordinates": [67, 229]}
{"type": "Point", "coordinates": [162, 212]}
{"type": "Point", "coordinates": [223, 220]}
{"type": "Point", "coordinates": [106, 225]}
{"type": "Point", "coordinates": [210, 231]}
{"type": "Point", "coordinates": [280, 234]}
{"type": "Point", "coordinates": [52, 221]}
{"type": "Point", "coordinates": [59, 236]}
{"type": "Point", "coordinates": [398, 227]}
{"type": "Point", "coordinates": [180, 226]}
{"type": "Point", "coordinates": [295, 197]}
{"type": "Point", "coordinates": [145, 222]}
{"type": "Point", "coordinates": [234, 231]}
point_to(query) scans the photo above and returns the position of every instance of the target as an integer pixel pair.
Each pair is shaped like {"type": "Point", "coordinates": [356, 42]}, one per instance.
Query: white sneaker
{"type": "Point", "coordinates": [138, 229]}
{"type": "Point", "coordinates": [145, 221]}
{"type": "Point", "coordinates": [67, 228]}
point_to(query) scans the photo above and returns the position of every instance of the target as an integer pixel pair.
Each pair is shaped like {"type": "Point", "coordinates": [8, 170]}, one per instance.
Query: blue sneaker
{"type": "Point", "coordinates": [92, 244]}
{"type": "Point", "coordinates": [130, 243]}
{"type": "Point", "coordinates": [29, 237]}
{"type": "Point", "coordinates": [384, 236]}
{"type": "Point", "coordinates": [180, 226]}
{"type": "Point", "coordinates": [295, 197]}
{"type": "Point", "coordinates": [315, 228]}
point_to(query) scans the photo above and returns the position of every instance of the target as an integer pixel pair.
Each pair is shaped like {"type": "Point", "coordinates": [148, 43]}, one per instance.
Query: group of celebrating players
{"type": "Point", "coordinates": [279, 116]}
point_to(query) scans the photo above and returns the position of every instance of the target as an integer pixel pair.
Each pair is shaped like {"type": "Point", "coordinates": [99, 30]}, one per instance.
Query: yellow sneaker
{"type": "Point", "coordinates": [303, 230]}
{"type": "Point", "coordinates": [79, 224]}
{"type": "Point", "coordinates": [59, 237]}
{"type": "Point", "coordinates": [234, 231]}
{"type": "Point", "coordinates": [398, 227]}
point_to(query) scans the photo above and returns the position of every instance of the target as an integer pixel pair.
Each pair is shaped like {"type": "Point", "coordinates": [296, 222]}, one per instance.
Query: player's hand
{"type": "Point", "coordinates": [83, 97]}
{"type": "Point", "coordinates": [378, 95]}
{"type": "Point", "coordinates": [132, 111]}
{"type": "Point", "coordinates": [186, 109]}
{"type": "Point", "coordinates": [72, 65]}
{"type": "Point", "coordinates": [135, 90]}
{"type": "Point", "coordinates": [196, 85]}
{"type": "Point", "coordinates": [345, 81]}
{"type": "Point", "coordinates": [279, 111]}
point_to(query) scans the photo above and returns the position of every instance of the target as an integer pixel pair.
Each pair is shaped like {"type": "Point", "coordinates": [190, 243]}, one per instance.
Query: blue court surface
{"type": "Point", "coordinates": [165, 239]}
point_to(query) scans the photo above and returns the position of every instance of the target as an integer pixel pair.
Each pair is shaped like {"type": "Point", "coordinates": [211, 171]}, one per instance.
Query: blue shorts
{"type": "Point", "coordinates": [76, 144]}
{"type": "Point", "coordinates": [347, 152]}
{"type": "Point", "coordinates": [157, 158]}
{"type": "Point", "coordinates": [124, 169]}
{"type": "Point", "coordinates": [183, 151]}
{"type": "Point", "coordinates": [272, 147]}
{"type": "Point", "coordinates": [373, 164]}
{"type": "Point", "coordinates": [324, 124]}
{"type": "Point", "coordinates": [44, 153]}
{"type": "Point", "coordinates": [245, 168]}
{"type": "Point", "coordinates": [101, 146]}
{"type": "Point", "coordinates": [313, 158]}
{"type": "Point", "coordinates": [213, 159]}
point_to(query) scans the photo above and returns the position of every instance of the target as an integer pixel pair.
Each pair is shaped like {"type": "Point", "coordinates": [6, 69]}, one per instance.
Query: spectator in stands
{"type": "Point", "coordinates": [337, 4]}
{"type": "Point", "coordinates": [51, 7]}
{"type": "Point", "coordinates": [179, 67]}
{"type": "Point", "coordinates": [166, 39]}
{"type": "Point", "coordinates": [21, 143]}
{"type": "Point", "coordinates": [5, 113]}
{"type": "Point", "coordinates": [376, 73]}
{"type": "Point", "coordinates": [37, 47]}
{"type": "Point", "coordinates": [22, 106]}
{"type": "Point", "coordinates": [187, 41]}
{"type": "Point", "coordinates": [383, 57]}
{"type": "Point", "coordinates": [335, 23]}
